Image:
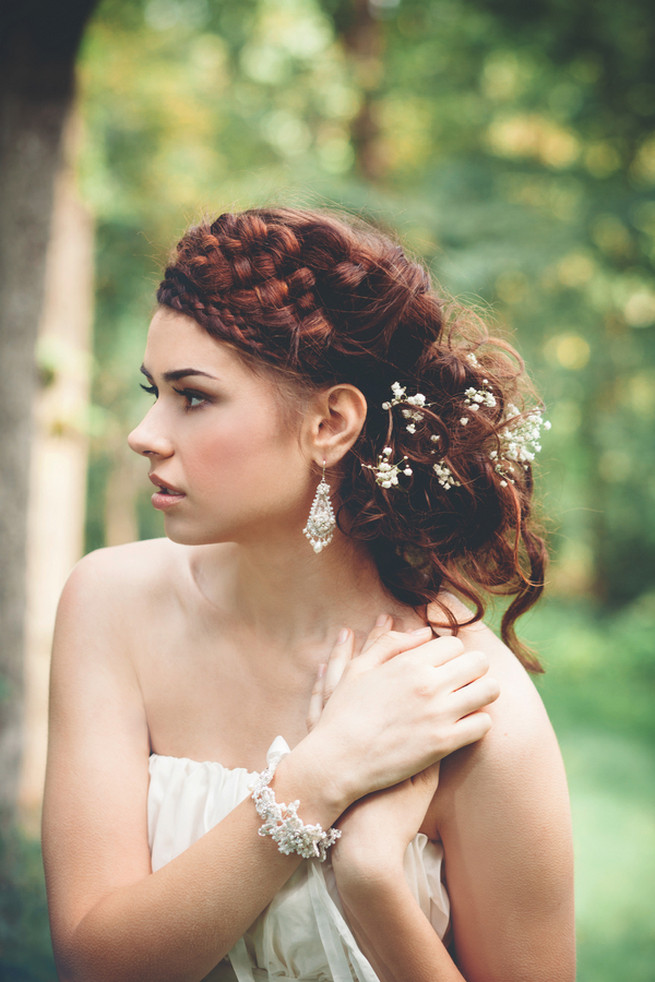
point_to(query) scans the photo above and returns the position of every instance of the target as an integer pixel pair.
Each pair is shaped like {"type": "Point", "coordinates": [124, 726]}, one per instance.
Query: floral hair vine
{"type": "Point", "coordinates": [386, 473]}
{"type": "Point", "coordinates": [519, 436]}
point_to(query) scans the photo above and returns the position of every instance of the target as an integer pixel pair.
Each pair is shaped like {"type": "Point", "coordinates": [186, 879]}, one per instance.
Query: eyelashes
{"type": "Point", "coordinates": [192, 398]}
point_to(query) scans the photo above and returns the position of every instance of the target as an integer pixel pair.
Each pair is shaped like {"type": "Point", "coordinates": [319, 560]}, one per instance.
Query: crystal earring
{"type": "Point", "coordinates": [321, 522]}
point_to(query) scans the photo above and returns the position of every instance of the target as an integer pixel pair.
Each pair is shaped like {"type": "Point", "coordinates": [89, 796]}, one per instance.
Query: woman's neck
{"type": "Point", "coordinates": [289, 594]}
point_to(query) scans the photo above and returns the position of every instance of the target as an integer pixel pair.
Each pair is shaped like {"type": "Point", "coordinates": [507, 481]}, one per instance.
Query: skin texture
{"type": "Point", "coordinates": [209, 643]}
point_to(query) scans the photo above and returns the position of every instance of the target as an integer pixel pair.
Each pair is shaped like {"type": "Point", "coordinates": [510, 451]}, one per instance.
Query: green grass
{"type": "Point", "coordinates": [599, 692]}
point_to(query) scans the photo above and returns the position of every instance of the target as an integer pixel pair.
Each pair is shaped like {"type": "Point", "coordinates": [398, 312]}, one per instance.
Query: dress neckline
{"type": "Point", "coordinates": [278, 746]}
{"type": "Point", "coordinates": [200, 763]}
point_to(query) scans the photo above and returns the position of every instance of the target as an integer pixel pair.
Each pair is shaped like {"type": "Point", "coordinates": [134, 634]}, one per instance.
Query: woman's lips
{"type": "Point", "coordinates": [166, 499]}
{"type": "Point", "coordinates": [166, 496]}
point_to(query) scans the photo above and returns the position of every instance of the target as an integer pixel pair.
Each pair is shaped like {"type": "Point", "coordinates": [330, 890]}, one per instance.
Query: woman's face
{"type": "Point", "coordinates": [226, 464]}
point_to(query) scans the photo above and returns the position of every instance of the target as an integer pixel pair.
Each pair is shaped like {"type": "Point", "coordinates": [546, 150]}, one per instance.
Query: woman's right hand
{"type": "Point", "coordinates": [405, 702]}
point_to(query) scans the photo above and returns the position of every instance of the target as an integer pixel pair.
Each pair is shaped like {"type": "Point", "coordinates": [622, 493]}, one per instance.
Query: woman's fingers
{"type": "Point", "coordinates": [474, 696]}
{"type": "Point", "coordinates": [340, 656]}
{"type": "Point", "coordinates": [463, 668]}
{"type": "Point", "coordinates": [439, 651]}
{"type": "Point", "coordinates": [316, 699]}
{"type": "Point", "coordinates": [469, 730]}
{"type": "Point", "coordinates": [391, 643]}
{"type": "Point", "coordinates": [383, 624]}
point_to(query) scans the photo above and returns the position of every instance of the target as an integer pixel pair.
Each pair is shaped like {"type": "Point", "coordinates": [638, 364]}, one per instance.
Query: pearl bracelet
{"type": "Point", "coordinates": [283, 824]}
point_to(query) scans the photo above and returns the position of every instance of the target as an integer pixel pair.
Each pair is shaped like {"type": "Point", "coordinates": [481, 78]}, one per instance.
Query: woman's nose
{"type": "Point", "coordinates": [149, 438]}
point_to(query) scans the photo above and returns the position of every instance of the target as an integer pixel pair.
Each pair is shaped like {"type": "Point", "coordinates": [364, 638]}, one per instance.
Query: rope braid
{"type": "Point", "coordinates": [325, 301]}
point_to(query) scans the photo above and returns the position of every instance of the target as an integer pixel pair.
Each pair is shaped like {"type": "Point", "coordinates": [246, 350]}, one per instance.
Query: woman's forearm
{"type": "Point", "coordinates": [176, 924]}
{"type": "Point", "coordinates": [392, 930]}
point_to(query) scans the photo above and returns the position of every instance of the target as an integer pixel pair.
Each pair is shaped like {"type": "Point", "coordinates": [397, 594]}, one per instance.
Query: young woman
{"type": "Point", "coordinates": [303, 369]}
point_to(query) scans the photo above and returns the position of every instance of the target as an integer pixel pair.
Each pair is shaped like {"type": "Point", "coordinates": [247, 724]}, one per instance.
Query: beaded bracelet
{"type": "Point", "coordinates": [283, 824]}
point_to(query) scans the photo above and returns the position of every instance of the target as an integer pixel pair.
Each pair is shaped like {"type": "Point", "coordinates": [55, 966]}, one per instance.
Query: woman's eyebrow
{"type": "Point", "coordinates": [178, 373]}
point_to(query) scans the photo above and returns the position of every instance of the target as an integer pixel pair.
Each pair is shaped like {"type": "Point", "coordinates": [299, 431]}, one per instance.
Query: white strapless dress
{"type": "Point", "coordinates": [301, 935]}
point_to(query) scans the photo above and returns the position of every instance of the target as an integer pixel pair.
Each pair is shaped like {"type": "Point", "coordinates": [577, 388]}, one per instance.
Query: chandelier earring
{"type": "Point", "coordinates": [321, 522]}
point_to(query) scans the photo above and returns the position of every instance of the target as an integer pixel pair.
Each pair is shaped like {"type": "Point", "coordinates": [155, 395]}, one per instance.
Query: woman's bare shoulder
{"type": "Point", "coordinates": [125, 573]}
{"type": "Point", "coordinates": [130, 559]}
{"type": "Point", "coordinates": [520, 751]}
{"type": "Point", "coordinates": [502, 813]}
{"type": "Point", "coordinates": [519, 704]}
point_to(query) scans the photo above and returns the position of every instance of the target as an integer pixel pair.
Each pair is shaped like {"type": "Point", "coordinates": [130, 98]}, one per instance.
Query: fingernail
{"type": "Point", "coordinates": [343, 635]}
{"type": "Point", "coordinates": [422, 630]}
{"type": "Point", "coordinates": [382, 620]}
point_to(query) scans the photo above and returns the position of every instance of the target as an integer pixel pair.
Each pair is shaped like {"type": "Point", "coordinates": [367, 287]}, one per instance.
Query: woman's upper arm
{"type": "Point", "coordinates": [505, 824]}
{"type": "Point", "coordinates": [94, 821]}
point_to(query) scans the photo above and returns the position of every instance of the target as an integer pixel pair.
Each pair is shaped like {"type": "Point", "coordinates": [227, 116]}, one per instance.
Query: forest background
{"type": "Point", "coordinates": [512, 147]}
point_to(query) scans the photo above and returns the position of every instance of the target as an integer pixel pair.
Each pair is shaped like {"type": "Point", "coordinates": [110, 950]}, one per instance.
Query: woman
{"type": "Point", "coordinates": [302, 366]}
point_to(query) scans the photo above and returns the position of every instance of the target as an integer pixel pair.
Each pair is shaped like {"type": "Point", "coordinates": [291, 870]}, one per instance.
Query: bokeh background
{"type": "Point", "coordinates": [511, 145]}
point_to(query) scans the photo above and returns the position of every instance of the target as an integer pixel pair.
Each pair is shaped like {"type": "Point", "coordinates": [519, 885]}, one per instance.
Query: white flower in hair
{"type": "Point", "coordinates": [386, 473]}
{"type": "Point", "coordinates": [474, 398]}
{"type": "Point", "coordinates": [520, 441]}
{"type": "Point", "coordinates": [416, 401]}
{"type": "Point", "coordinates": [445, 476]}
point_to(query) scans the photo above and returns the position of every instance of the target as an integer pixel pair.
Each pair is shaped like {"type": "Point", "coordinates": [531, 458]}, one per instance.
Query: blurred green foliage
{"type": "Point", "coordinates": [25, 950]}
{"type": "Point", "coordinates": [511, 146]}
{"type": "Point", "coordinates": [600, 676]}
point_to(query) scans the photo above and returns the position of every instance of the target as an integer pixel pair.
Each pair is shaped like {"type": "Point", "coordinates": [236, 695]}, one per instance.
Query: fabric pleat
{"type": "Point", "coordinates": [302, 936]}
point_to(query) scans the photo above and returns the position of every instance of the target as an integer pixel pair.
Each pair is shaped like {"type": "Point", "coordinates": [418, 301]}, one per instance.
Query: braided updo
{"type": "Point", "coordinates": [325, 301]}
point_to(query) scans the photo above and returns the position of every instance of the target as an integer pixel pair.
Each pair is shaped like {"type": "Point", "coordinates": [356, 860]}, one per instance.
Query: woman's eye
{"type": "Point", "coordinates": [150, 389]}
{"type": "Point", "coordinates": [193, 399]}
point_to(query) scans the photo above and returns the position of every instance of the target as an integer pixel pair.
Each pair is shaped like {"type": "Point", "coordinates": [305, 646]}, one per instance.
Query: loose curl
{"type": "Point", "coordinates": [324, 301]}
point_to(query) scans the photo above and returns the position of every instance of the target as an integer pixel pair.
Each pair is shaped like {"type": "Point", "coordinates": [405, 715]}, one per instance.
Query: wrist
{"type": "Point", "coordinates": [358, 882]}
{"type": "Point", "coordinates": [368, 855]}
{"type": "Point", "coordinates": [306, 774]}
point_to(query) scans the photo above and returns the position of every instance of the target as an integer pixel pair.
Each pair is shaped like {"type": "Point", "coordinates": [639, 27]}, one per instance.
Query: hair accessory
{"type": "Point", "coordinates": [413, 415]}
{"type": "Point", "coordinates": [386, 473]}
{"type": "Point", "coordinates": [518, 434]}
{"type": "Point", "coordinates": [282, 823]}
{"type": "Point", "coordinates": [321, 522]}
{"type": "Point", "coordinates": [519, 441]}
{"type": "Point", "coordinates": [445, 476]}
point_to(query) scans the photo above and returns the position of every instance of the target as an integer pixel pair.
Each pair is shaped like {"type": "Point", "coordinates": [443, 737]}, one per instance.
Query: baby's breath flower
{"type": "Point", "coordinates": [474, 398]}
{"type": "Point", "coordinates": [400, 397]}
{"type": "Point", "coordinates": [519, 435]}
{"type": "Point", "coordinates": [520, 441]}
{"type": "Point", "coordinates": [445, 476]}
{"type": "Point", "coordinates": [386, 473]}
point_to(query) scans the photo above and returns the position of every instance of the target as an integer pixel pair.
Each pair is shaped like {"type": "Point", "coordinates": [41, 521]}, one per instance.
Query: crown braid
{"type": "Point", "coordinates": [329, 301]}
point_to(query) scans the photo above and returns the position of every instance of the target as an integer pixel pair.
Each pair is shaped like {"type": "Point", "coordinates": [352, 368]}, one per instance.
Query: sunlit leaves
{"type": "Point", "coordinates": [510, 144]}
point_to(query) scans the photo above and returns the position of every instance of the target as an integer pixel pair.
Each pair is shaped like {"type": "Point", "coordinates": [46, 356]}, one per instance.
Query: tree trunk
{"type": "Point", "coordinates": [362, 39]}
{"type": "Point", "coordinates": [59, 454]}
{"type": "Point", "coordinates": [38, 43]}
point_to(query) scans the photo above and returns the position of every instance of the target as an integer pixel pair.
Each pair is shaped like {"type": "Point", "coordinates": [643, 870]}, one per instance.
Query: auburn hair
{"type": "Point", "coordinates": [324, 300]}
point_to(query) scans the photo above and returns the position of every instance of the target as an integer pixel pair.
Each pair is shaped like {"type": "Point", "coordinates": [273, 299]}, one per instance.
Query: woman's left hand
{"type": "Point", "coordinates": [377, 829]}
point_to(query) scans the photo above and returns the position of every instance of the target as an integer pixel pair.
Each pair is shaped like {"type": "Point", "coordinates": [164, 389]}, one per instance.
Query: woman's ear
{"type": "Point", "coordinates": [334, 420]}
